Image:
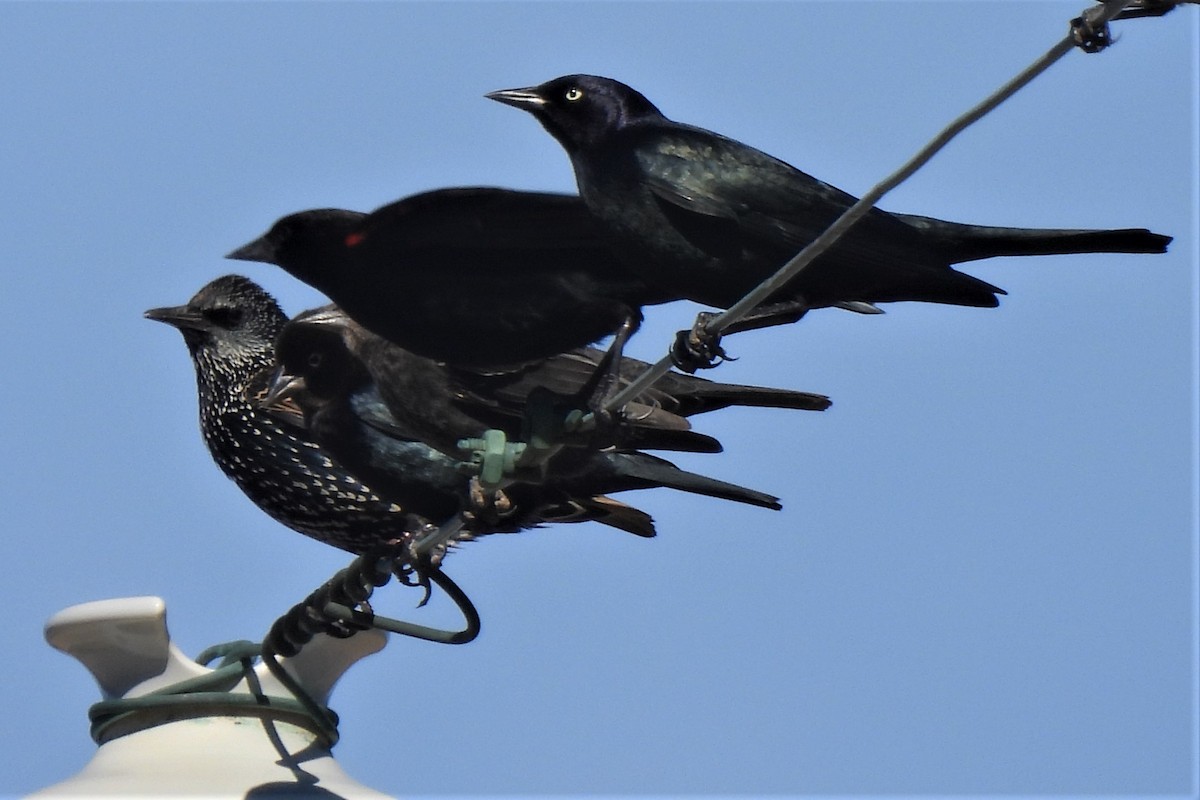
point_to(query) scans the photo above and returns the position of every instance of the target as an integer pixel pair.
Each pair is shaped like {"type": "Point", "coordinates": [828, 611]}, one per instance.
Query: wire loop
{"type": "Point", "coordinates": [339, 608]}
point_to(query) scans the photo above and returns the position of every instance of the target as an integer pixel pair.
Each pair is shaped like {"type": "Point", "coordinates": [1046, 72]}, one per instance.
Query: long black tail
{"type": "Point", "coordinates": [693, 395]}
{"type": "Point", "coordinates": [641, 471]}
{"type": "Point", "coordinates": [963, 242]}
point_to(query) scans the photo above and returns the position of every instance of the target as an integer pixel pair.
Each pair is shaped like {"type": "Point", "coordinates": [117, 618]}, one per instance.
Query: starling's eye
{"type": "Point", "coordinates": [314, 359]}
{"type": "Point", "coordinates": [224, 316]}
{"type": "Point", "coordinates": [574, 94]}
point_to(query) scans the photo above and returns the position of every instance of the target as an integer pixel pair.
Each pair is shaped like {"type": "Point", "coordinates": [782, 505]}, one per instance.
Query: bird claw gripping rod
{"type": "Point", "coordinates": [498, 461]}
{"type": "Point", "coordinates": [1088, 31]}
{"type": "Point", "coordinates": [546, 429]}
{"type": "Point", "coordinates": [339, 608]}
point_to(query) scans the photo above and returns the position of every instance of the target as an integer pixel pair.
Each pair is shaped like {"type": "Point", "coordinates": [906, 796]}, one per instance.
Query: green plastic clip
{"type": "Point", "coordinates": [494, 454]}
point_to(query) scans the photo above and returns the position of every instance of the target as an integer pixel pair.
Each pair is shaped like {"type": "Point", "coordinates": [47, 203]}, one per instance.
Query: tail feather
{"type": "Point", "coordinates": [622, 516]}
{"type": "Point", "coordinates": [723, 395]}
{"type": "Point", "coordinates": [972, 242]}
{"type": "Point", "coordinates": [639, 437]}
{"type": "Point", "coordinates": [686, 395]}
{"type": "Point", "coordinates": [642, 471]}
{"type": "Point", "coordinates": [860, 307]}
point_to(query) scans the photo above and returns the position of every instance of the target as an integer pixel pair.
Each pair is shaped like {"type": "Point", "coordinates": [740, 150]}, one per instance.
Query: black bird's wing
{"type": "Point", "coordinates": [507, 392]}
{"type": "Point", "coordinates": [490, 230]}
{"type": "Point", "coordinates": [486, 219]}
{"type": "Point", "coordinates": [730, 200]}
{"type": "Point", "coordinates": [499, 399]}
{"type": "Point", "coordinates": [715, 177]}
{"type": "Point", "coordinates": [486, 277]}
{"type": "Point", "coordinates": [664, 405]}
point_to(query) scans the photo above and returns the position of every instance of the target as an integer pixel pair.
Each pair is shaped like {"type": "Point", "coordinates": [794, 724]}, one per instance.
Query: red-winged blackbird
{"type": "Point", "coordinates": [361, 410]}
{"type": "Point", "coordinates": [230, 327]}
{"type": "Point", "coordinates": [707, 218]}
{"type": "Point", "coordinates": [472, 276]}
{"type": "Point", "coordinates": [441, 404]}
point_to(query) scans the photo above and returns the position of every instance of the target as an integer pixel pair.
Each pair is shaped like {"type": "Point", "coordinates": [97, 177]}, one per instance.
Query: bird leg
{"type": "Point", "coordinates": [700, 348]}
{"type": "Point", "coordinates": [605, 382]}
{"type": "Point", "coordinates": [553, 419]}
{"type": "Point", "coordinates": [606, 376]}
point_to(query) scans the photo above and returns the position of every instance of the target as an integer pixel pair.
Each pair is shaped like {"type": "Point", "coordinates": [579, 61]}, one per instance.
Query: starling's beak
{"type": "Point", "coordinates": [528, 99]}
{"type": "Point", "coordinates": [258, 250]}
{"type": "Point", "coordinates": [283, 386]}
{"type": "Point", "coordinates": [181, 317]}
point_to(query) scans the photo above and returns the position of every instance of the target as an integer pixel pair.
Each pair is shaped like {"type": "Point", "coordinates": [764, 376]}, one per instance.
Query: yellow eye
{"type": "Point", "coordinates": [573, 94]}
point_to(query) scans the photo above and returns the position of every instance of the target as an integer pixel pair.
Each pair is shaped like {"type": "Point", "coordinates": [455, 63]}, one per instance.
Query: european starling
{"type": "Point", "coordinates": [707, 218]}
{"type": "Point", "coordinates": [230, 327]}
{"type": "Point", "coordinates": [472, 276]}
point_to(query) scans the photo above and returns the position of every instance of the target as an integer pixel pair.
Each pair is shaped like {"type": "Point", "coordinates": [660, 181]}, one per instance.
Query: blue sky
{"type": "Point", "coordinates": [983, 580]}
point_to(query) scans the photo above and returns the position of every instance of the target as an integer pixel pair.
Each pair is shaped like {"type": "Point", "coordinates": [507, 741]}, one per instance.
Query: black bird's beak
{"type": "Point", "coordinates": [180, 317]}
{"type": "Point", "coordinates": [527, 99]}
{"type": "Point", "coordinates": [258, 250]}
{"type": "Point", "coordinates": [283, 386]}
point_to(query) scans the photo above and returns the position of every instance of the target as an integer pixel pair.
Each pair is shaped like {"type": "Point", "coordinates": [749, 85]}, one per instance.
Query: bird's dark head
{"type": "Point", "coordinates": [303, 243]}
{"type": "Point", "coordinates": [226, 319]}
{"type": "Point", "coordinates": [314, 348]}
{"type": "Point", "coordinates": [580, 110]}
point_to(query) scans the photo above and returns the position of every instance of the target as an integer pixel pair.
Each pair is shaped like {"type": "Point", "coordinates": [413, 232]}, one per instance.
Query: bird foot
{"type": "Point", "coordinates": [602, 423]}
{"type": "Point", "coordinates": [416, 569]}
{"type": "Point", "coordinates": [416, 573]}
{"type": "Point", "coordinates": [486, 507]}
{"type": "Point", "coordinates": [698, 348]}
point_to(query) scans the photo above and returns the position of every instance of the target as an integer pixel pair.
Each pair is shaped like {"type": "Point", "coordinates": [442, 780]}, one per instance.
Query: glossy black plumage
{"type": "Point", "coordinates": [707, 218]}
{"type": "Point", "coordinates": [441, 404]}
{"type": "Point", "coordinates": [347, 411]}
{"type": "Point", "coordinates": [472, 276]}
{"type": "Point", "coordinates": [230, 327]}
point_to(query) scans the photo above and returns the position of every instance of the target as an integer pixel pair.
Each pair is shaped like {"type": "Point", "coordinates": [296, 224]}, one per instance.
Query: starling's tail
{"type": "Point", "coordinates": [640, 436]}
{"type": "Point", "coordinates": [619, 515]}
{"type": "Point", "coordinates": [549, 507]}
{"type": "Point", "coordinates": [702, 396]}
{"type": "Point", "coordinates": [642, 471]}
{"type": "Point", "coordinates": [971, 242]}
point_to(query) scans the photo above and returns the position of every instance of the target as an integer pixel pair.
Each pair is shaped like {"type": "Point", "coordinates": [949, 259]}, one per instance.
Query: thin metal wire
{"type": "Point", "coordinates": [1094, 17]}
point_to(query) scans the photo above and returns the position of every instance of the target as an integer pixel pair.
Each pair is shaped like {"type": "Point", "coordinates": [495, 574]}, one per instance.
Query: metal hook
{"type": "Point", "coordinates": [357, 618]}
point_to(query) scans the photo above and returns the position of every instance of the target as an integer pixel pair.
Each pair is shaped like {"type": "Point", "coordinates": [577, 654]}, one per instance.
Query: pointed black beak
{"type": "Point", "coordinates": [527, 99]}
{"type": "Point", "coordinates": [180, 317]}
{"type": "Point", "coordinates": [258, 250]}
{"type": "Point", "coordinates": [283, 386]}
